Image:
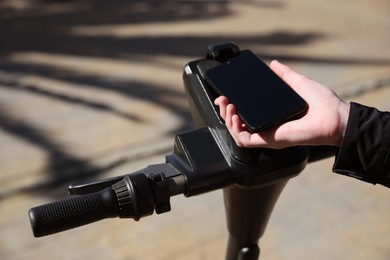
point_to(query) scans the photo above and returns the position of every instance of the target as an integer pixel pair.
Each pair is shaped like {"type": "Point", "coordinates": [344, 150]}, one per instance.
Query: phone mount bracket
{"type": "Point", "coordinates": [222, 51]}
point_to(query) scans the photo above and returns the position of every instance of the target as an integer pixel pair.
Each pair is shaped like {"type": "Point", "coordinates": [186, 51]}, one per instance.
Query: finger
{"type": "Point", "coordinates": [237, 125]}
{"type": "Point", "coordinates": [295, 80]}
{"type": "Point", "coordinates": [242, 136]}
{"type": "Point", "coordinates": [268, 139]}
{"type": "Point", "coordinates": [288, 134]}
{"type": "Point", "coordinates": [238, 131]}
{"type": "Point", "coordinates": [218, 100]}
{"type": "Point", "coordinates": [222, 102]}
{"type": "Point", "coordinates": [230, 112]}
{"type": "Point", "coordinates": [280, 69]}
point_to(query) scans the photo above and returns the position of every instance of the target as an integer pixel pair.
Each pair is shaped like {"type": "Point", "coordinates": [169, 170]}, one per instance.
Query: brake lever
{"type": "Point", "coordinates": [91, 187]}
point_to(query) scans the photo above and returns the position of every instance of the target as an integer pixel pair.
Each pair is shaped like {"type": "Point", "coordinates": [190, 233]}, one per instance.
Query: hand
{"type": "Point", "coordinates": [324, 123]}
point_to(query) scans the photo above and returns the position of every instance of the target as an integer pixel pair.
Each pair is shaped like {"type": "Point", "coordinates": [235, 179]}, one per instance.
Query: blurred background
{"type": "Point", "coordinates": [93, 89]}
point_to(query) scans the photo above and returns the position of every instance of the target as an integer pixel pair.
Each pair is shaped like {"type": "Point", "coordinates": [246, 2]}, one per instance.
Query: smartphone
{"type": "Point", "coordinates": [262, 99]}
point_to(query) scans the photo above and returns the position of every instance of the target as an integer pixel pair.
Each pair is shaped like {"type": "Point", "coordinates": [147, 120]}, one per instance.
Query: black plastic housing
{"type": "Point", "coordinates": [256, 176]}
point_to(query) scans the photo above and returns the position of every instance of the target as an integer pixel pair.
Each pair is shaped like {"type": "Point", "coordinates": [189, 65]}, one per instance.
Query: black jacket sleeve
{"type": "Point", "coordinates": [365, 151]}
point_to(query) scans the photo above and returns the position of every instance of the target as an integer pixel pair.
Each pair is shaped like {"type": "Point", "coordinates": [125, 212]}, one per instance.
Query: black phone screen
{"type": "Point", "coordinates": [261, 98]}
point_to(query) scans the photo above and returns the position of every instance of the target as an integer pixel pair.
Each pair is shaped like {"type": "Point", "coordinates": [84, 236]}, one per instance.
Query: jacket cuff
{"type": "Point", "coordinates": [347, 160]}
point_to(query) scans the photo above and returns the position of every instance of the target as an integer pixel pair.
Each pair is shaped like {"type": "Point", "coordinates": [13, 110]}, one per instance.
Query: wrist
{"type": "Point", "coordinates": [343, 115]}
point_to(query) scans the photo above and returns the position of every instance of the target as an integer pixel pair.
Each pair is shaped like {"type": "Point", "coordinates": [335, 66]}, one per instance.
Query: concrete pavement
{"type": "Point", "coordinates": [90, 90]}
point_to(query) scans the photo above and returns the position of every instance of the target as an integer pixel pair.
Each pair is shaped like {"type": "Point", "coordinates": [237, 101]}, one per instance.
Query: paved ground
{"type": "Point", "coordinates": [90, 89]}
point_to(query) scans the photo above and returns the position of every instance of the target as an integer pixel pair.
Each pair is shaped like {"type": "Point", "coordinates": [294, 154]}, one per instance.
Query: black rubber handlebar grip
{"type": "Point", "coordinates": [73, 212]}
